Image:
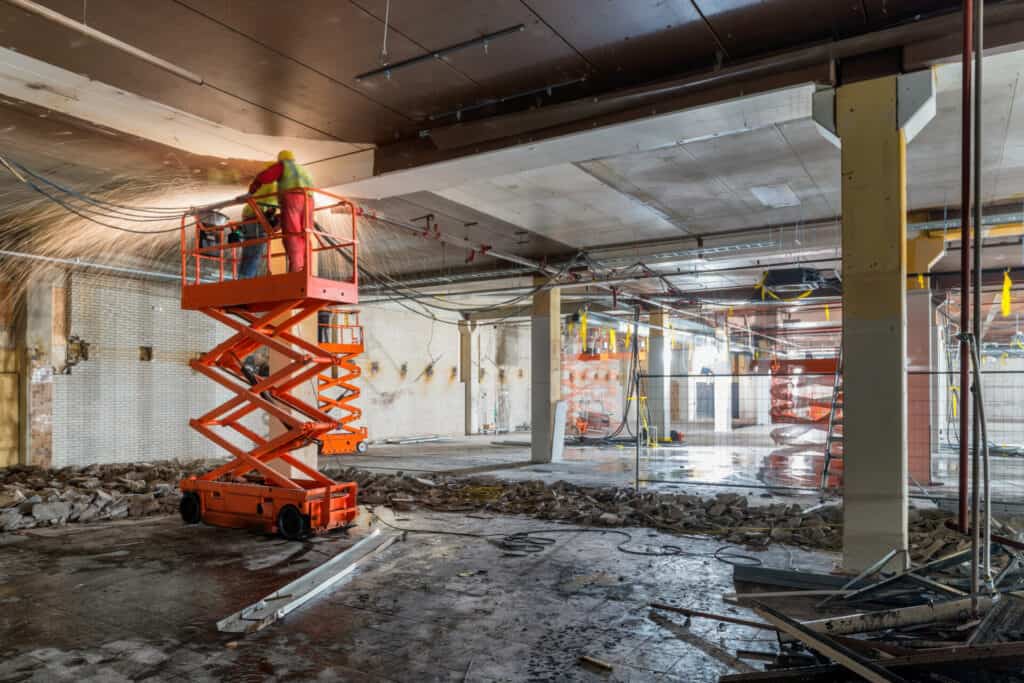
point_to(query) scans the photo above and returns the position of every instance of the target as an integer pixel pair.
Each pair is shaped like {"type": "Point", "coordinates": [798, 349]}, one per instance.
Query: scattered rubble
{"type": "Point", "coordinates": [728, 515]}
{"type": "Point", "coordinates": [31, 496]}
{"type": "Point", "coordinates": [34, 497]}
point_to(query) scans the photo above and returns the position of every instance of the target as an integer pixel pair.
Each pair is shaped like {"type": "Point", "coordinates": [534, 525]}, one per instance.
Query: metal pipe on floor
{"type": "Point", "coordinates": [965, 255]}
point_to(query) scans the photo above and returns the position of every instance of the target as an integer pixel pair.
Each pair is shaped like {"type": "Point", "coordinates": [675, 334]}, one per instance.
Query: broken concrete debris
{"type": "Point", "coordinates": [37, 497]}
{"type": "Point", "coordinates": [33, 497]}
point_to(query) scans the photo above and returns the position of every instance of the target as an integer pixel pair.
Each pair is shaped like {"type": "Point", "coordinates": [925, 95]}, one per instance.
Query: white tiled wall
{"type": "Point", "coordinates": [117, 408]}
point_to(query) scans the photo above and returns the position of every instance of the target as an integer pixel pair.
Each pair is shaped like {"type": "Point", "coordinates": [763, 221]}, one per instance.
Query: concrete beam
{"type": "Point", "coordinates": [45, 85]}
{"type": "Point", "coordinates": [709, 120]}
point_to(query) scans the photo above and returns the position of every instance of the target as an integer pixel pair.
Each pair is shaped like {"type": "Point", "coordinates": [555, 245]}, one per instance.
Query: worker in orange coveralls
{"type": "Point", "coordinates": [295, 205]}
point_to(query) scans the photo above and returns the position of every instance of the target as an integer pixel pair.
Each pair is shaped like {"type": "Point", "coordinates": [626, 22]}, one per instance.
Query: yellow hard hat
{"type": "Point", "coordinates": [286, 155]}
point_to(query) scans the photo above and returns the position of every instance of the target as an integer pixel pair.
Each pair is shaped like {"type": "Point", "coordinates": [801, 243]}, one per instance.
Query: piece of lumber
{"type": "Point", "coordinates": [714, 617]}
{"type": "Point", "coordinates": [786, 578]}
{"type": "Point", "coordinates": [880, 620]}
{"type": "Point", "coordinates": [823, 644]}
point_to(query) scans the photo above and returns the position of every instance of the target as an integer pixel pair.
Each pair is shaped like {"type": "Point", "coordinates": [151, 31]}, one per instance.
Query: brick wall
{"type": "Point", "coordinates": [118, 408]}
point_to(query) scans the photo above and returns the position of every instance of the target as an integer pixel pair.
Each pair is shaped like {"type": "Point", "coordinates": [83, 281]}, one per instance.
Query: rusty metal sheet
{"type": "Point", "coordinates": [534, 58]}
{"type": "Point", "coordinates": [307, 102]}
{"type": "Point", "coordinates": [632, 39]}
{"type": "Point", "coordinates": [342, 40]}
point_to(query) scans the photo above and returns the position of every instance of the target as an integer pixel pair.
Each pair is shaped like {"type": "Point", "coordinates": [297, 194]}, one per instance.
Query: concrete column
{"type": "Point", "coordinates": [545, 371]}
{"type": "Point", "coordinates": [468, 375]}
{"type": "Point", "coordinates": [44, 339]}
{"type": "Point", "coordinates": [659, 363]}
{"type": "Point", "coordinates": [723, 403]}
{"type": "Point", "coordinates": [872, 122]}
{"type": "Point", "coordinates": [920, 405]}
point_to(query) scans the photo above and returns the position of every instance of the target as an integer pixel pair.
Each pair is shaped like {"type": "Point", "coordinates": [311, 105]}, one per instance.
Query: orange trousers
{"type": "Point", "coordinates": [294, 218]}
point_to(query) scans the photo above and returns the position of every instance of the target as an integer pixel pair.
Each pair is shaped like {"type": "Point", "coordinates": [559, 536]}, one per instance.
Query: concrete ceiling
{"type": "Point", "coordinates": [712, 185]}
{"type": "Point", "coordinates": [292, 71]}
{"type": "Point", "coordinates": [275, 75]}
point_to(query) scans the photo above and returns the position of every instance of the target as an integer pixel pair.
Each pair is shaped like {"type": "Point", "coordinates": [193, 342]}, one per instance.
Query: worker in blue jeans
{"type": "Point", "coordinates": [251, 229]}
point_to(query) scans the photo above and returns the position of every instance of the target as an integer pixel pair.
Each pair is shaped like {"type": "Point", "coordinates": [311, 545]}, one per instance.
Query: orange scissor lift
{"type": "Point", "coordinates": [341, 335]}
{"type": "Point", "coordinates": [263, 312]}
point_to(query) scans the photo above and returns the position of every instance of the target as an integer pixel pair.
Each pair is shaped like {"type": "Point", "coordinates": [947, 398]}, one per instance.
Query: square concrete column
{"type": "Point", "coordinates": [921, 405]}
{"type": "Point", "coordinates": [468, 374]}
{"type": "Point", "coordinates": [659, 365]}
{"type": "Point", "coordinates": [871, 119]}
{"type": "Point", "coordinates": [545, 371]}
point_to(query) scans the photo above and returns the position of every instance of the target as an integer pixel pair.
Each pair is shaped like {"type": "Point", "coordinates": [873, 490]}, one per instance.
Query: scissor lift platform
{"type": "Point", "coordinates": [265, 486]}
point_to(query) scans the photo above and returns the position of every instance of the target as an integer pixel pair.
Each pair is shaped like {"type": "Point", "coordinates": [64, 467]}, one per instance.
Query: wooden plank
{"type": "Point", "coordinates": [825, 645]}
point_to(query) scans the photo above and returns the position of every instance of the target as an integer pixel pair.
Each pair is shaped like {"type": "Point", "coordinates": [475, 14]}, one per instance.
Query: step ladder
{"type": "Point", "coordinates": [834, 435]}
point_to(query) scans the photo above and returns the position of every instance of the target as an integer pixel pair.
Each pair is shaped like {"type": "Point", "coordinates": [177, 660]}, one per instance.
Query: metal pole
{"type": "Point", "coordinates": [976, 521]}
{"type": "Point", "coordinates": [980, 437]}
{"type": "Point", "coordinates": [965, 258]}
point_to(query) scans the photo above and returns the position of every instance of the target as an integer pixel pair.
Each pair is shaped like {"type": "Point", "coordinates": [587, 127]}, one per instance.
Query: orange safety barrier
{"type": "Point", "coordinates": [342, 335]}
{"type": "Point", "coordinates": [265, 486]}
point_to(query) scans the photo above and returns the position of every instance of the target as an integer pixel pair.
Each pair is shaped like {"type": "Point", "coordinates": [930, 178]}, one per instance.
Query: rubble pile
{"type": "Point", "coordinates": [729, 515]}
{"type": "Point", "coordinates": [32, 497]}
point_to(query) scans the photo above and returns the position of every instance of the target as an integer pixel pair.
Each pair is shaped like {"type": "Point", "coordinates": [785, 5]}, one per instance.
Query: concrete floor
{"type": "Point", "coordinates": [741, 461]}
{"type": "Point", "coordinates": [703, 470]}
{"type": "Point", "coordinates": [139, 601]}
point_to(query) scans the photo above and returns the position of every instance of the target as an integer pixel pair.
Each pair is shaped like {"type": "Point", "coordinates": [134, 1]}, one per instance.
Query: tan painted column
{"type": "Point", "coordinates": [469, 375]}
{"type": "Point", "coordinates": [874, 321]}
{"type": "Point", "coordinates": [307, 330]}
{"type": "Point", "coordinates": [545, 370]}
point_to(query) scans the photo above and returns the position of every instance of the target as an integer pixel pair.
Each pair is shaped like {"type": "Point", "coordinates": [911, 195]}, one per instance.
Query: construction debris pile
{"type": "Point", "coordinates": [729, 515]}
{"type": "Point", "coordinates": [922, 623]}
{"type": "Point", "coordinates": [32, 496]}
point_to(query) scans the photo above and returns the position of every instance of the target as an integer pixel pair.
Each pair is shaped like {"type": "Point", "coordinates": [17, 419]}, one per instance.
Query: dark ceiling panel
{"type": "Point", "coordinates": [750, 27]}
{"type": "Point", "coordinates": [885, 12]}
{"type": "Point", "coordinates": [342, 40]}
{"type": "Point", "coordinates": [632, 38]}
{"type": "Point", "coordinates": [534, 58]}
{"type": "Point", "coordinates": [226, 59]}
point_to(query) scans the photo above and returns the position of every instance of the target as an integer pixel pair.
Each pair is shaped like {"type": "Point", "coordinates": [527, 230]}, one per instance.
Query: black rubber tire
{"type": "Point", "coordinates": [190, 509]}
{"type": "Point", "coordinates": [361, 447]}
{"type": "Point", "coordinates": [291, 524]}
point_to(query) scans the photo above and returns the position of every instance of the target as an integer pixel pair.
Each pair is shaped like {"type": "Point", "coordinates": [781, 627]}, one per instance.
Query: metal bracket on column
{"type": "Point", "coordinates": [915, 107]}
{"type": "Point", "coordinates": [823, 111]}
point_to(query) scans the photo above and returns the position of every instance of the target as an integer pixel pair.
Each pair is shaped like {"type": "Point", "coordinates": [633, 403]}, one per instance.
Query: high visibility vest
{"type": "Point", "coordinates": [265, 196]}
{"type": "Point", "coordinates": [293, 177]}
